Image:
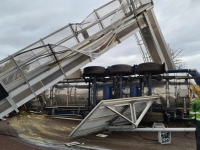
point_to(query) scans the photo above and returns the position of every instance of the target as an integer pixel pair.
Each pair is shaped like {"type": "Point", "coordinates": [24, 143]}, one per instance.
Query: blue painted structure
{"type": "Point", "coordinates": [193, 73]}
{"type": "Point", "coordinates": [178, 71]}
{"type": "Point", "coordinates": [134, 91]}
{"type": "Point", "coordinates": [107, 92]}
{"type": "Point", "coordinates": [196, 74]}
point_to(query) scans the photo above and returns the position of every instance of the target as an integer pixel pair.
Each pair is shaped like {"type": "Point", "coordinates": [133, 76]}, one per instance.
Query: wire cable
{"type": "Point", "coordinates": [145, 138]}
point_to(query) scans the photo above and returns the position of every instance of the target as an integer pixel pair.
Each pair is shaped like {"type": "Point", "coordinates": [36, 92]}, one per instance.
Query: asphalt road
{"type": "Point", "coordinates": [36, 132]}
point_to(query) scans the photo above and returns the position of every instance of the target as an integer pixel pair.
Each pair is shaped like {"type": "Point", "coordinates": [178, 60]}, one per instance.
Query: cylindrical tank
{"type": "Point", "coordinates": [134, 91]}
{"type": "Point", "coordinates": [107, 92]}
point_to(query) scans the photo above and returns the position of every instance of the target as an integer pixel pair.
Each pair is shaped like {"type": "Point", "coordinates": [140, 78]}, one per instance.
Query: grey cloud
{"type": "Point", "coordinates": [23, 22]}
{"type": "Point", "coordinates": [179, 23]}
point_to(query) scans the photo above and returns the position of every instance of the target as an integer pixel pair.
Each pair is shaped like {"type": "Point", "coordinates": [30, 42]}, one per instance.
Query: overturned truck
{"type": "Point", "coordinates": [124, 81]}
{"type": "Point", "coordinates": [129, 92]}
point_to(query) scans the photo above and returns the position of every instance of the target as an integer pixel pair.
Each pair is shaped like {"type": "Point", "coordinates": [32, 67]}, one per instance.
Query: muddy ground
{"type": "Point", "coordinates": [35, 132]}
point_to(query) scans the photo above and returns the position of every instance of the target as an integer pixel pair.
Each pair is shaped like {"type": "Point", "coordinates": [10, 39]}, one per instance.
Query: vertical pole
{"type": "Point", "coordinates": [57, 60]}
{"type": "Point", "coordinates": [120, 86]}
{"type": "Point", "coordinates": [149, 85]}
{"type": "Point", "coordinates": [98, 18]}
{"type": "Point", "coordinates": [185, 107]}
{"type": "Point", "coordinates": [141, 87]}
{"type": "Point", "coordinates": [89, 87]}
{"type": "Point", "coordinates": [115, 87]}
{"type": "Point", "coordinates": [51, 96]}
{"type": "Point", "coordinates": [167, 93]}
{"type": "Point", "coordinates": [22, 74]}
{"type": "Point", "coordinates": [68, 94]}
{"type": "Point", "coordinates": [75, 35]}
{"type": "Point", "coordinates": [94, 90]}
{"type": "Point", "coordinates": [122, 6]}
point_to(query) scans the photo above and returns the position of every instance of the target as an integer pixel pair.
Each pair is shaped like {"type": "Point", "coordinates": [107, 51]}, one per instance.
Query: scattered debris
{"type": "Point", "coordinates": [91, 148]}
{"type": "Point", "coordinates": [72, 144]}
{"type": "Point", "coordinates": [35, 112]}
{"type": "Point", "coordinates": [102, 135]}
{"type": "Point", "coordinates": [4, 119]}
{"type": "Point", "coordinates": [67, 118]}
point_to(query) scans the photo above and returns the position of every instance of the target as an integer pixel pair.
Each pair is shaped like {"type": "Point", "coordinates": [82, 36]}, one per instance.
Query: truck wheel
{"type": "Point", "coordinates": [122, 69]}
{"type": "Point", "coordinates": [152, 67]}
{"type": "Point", "coordinates": [94, 70]}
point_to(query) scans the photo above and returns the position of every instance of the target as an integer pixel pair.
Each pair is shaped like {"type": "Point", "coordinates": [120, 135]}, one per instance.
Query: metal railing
{"type": "Point", "coordinates": [39, 54]}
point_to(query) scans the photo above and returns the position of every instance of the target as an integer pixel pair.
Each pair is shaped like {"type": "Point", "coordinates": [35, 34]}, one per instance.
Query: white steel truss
{"type": "Point", "coordinates": [134, 119]}
{"type": "Point", "coordinates": [42, 64]}
{"type": "Point", "coordinates": [115, 112]}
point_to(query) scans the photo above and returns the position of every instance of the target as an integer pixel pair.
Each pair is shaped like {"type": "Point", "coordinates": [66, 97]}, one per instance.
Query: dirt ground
{"type": "Point", "coordinates": [36, 132]}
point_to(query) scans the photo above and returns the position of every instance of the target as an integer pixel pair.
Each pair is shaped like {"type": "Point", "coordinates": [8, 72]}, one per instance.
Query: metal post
{"type": "Point", "coordinates": [141, 87]}
{"type": "Point", "coordinates": [148, 105]}
{"type": "Point", "coordinates": [120, 86]}
{"type": "Point", "coordinates": [48, 50]}
{"type": "Point", "coordinates": [184, 102]}
{"type": "Point", "coordinates": [67, 94]}
{"type": "Point", "coordinates": [167, 93]}
{"type": "Point", "coordinates": [165, 129]}
{"type": "Point", "coordinates": [51, 96]}
{"type": "Point", "coordinates": [149, 85]}
{"type": "Point", "coordinates": [22, 74]}
{"type": "Point", "coordinates": [12, 103]}
{"type": "Point", "coordinates": [133, 113]}
{"type": "Point", "coordinates": [57, 60]}
{"type": "Point", "coordinates": [122, 6]}
{"type": "Point", "coordinates": [98, 18]}
{"type": "Point", "coordinates": [129, 128]}
{"type": "Point", "coordinates": [75, 35]}
{"type": "Point", "coordinates": [115, 87]}
{"type": "Point", "coordinates": [94, 90]}
{"type": "Point", "coordinates": [89, 87]}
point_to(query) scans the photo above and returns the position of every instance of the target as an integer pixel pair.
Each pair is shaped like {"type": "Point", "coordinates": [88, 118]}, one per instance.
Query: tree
{"type": "Point", "coordinates": [176, 57]}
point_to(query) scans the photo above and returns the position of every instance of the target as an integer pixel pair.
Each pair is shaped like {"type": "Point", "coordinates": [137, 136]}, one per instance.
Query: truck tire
{"type": "Point", "coordinates": [151, 67]}
{"type": "Point", "coordinates": [121, 69]}
{"type": "Point", "coordinates": [94, 70]}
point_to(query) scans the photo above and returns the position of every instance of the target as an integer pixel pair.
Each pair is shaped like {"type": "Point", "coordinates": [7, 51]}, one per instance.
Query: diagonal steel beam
{"type": "Point", "coordinates": [133, 112]}
{"type": "Point", "coordinates": [120, 115]}
{"type": "Point", "coordinates": [115, 118]}
{"type": "Point", "coordinates": [143, 112]}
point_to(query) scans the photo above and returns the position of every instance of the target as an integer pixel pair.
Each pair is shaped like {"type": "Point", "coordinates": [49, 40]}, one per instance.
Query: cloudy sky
{"type": "Point", "coordinates": [23, 22]}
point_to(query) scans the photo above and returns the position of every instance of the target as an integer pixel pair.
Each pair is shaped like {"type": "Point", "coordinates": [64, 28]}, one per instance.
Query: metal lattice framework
{"type": "Point", "coordinates": [113, 113]}
{"type": "Point", "coordinates": [42, 64]}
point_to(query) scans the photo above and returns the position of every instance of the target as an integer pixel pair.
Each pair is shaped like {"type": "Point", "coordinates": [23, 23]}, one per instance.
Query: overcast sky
{"type": "Point", "coordinates": [23, 22]}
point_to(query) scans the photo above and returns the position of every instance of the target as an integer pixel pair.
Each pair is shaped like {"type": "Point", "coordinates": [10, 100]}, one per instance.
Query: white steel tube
{"type": "Point", "coordinates": [165, 129]}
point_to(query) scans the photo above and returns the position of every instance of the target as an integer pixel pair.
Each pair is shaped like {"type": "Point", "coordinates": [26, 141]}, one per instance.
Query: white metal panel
{"type": "Point", "coordinates": [102, 115]}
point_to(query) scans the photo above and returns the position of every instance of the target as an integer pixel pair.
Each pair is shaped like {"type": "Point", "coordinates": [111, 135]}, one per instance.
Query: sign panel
{"type": "Point", "coordinates": [115, 112]}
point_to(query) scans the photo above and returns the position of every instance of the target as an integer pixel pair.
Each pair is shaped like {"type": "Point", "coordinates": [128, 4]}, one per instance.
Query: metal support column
{"type": "Point", "coordinates": [57, 60]}
{"type": "Point", "coordinates": [94, 91]}
{"type": "Point", "coordinates": [141, 87]}
{"type": "Point", "coordinates": [12, 103]}
{"type": "Point", "coordinates": [89, 88]}
{"type": "Point", "coordinates": [98, 18]}
{"type": "Point", "coordinates": [120, 86]}
{"type": "Point", "coordinates": [22, 74]}
{"type": "Point", "coordinates": [67, 94]}
{"type": "Point", "coordinates": [149, 85]}
{"type": "Point", "coordinates": [184, 105]}
{"type": "Point", "coordinates": [167, 93]}
{"type": "Point", "coordinates": [75, 34]}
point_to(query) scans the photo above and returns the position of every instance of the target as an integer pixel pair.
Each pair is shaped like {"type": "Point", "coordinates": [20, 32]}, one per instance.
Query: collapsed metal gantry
{"type": "Point", "coordinates": [41, 65]}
